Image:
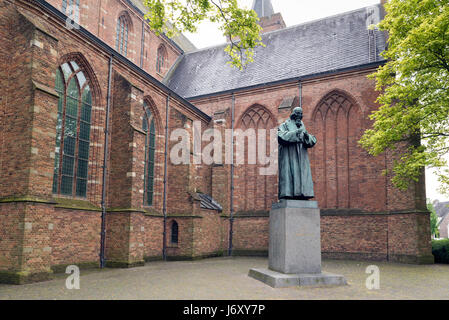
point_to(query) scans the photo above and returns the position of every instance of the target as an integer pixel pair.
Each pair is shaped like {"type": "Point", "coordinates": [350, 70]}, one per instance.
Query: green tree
{"type": "Point", "coordinates": [433, 220]}
{"type": "Point", "coordinates": [414, 86]}
{"type": "Point", "coordinates": [239, 25]}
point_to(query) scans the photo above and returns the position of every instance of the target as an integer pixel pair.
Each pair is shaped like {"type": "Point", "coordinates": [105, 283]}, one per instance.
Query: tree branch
{"type": "Point", "coordinates": [233, 44]}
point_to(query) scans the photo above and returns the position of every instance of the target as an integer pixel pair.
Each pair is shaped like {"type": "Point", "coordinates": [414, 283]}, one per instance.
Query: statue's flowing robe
{"type": "Point", "coordinates": [295, 176]}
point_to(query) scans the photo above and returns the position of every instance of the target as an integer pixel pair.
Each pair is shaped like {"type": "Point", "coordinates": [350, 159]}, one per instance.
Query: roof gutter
{"type": "Point", "coordinates": [293, 79]}
{"type": "Point", "coordinates": [118, 57]}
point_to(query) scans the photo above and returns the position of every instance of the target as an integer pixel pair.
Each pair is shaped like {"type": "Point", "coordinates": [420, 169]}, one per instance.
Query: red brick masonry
{"type": "Point", "coordinates": [363, 216]}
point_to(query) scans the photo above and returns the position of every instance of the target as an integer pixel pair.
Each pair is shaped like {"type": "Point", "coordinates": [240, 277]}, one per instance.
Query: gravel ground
{"type": "Point", "coordinates": [227, 278]}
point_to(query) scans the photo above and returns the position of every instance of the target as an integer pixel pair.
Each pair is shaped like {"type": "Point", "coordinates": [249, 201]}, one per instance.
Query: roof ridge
{"type": "Point", "coordinates": [320, 19]}
{"type": "Point", "coordinates": [287, 29]}
{"type": "Point", "coordinates": [207, 48]}
{"type": "Point", "coordinates": [317, 47]}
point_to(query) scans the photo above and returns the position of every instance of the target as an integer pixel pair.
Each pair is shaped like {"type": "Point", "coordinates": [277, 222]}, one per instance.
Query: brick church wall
{"type": "Point", "coordinates": [179, 175]}
{"type": "Point", "coordinates": [5, 50]}
{"type": "Point", "coordinates": [100, 18]}
{"type": "Point", "coordinates": [184, 249]}
{"type": "Point", "coordinates": [203, 234]}
{"type": "Point", "coordinates": [121, 172]}
{"type": "Point", "coordinates": [11, 233]}
{"type": "Point", "coordinates": [208, 237]}
{"type": "Point", "coordinates": [359, 237]}
{"type": "Point", "coordinates": [251, 236]}
{"type": "Point", "coordinates": [66, 230]}
{"type": "Point", "coordinates": [41, 231]}
{"type": "Point", "coordinates": [16, 86]}
{"type": "Point", "coordinates": [75, 237]}
{"type": "Point", "coordinates": [347, 180]}
{"type": "Point", "coordinates": [153, 227]}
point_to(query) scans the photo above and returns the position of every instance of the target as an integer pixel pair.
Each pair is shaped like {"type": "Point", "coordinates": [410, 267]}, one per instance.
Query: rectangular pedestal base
{"type": "Point", "coordinates": [295, 243]}
{"type": "Point", "coordinates": [281, 280]}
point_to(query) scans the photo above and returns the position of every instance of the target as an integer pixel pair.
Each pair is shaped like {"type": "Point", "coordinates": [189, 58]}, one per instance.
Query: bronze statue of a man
{"type": "Point", "coordinates": [295, 177]}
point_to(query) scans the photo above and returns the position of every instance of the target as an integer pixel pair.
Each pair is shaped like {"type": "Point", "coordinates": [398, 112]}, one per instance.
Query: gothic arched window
{"type": "Point", "coordinates": [71, 5]}
{"type": "Point", "coordinates": [71, 8]}
{"type": "Point", "coordinates": [72, 131]}
{"type": "Point", "coordinates": [150, 149]}
{"type": "Point", "coordinates": [343, 178]}
{"type": "Point", "coordinates": [161, 56]}
{"type": "Point", "coordinates": [260, 190]}
{"type": "Point", "coordinates": [257, 117]}
{"type": "Point", "coordinates": [121, 41]}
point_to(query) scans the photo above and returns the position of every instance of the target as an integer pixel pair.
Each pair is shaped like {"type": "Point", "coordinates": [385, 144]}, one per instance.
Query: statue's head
{"type": "Point", "coordinates": [297, 115]}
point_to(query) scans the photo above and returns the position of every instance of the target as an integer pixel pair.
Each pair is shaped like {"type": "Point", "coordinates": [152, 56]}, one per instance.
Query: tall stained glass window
{"type": "Point", "coordinates": [150, 149]}
{"type": "Point", "coordinates": [72, 131]}
{"type": "Point", "coordinates": [72, 9]}
{"type": "Point", "coordinates": [121, 40]}
{"type": "Point", "coordinates": [161, 56]}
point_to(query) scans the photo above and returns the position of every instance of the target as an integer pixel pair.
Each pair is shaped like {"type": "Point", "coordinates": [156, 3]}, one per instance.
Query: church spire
{"type": "Point", "coordinates": [269, 21]}
{"type": "Point", "coordinates": [263, 8]}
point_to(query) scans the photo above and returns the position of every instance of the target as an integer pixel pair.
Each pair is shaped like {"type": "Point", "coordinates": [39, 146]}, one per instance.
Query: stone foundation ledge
{"type": "Point", "coordinates": [215, 254]}
{"type": "Point", "coordinates": [281, 280]}
{"type": "Point", "coordinates": [249, 253]}
{"type": "Point", "coordinates": [125, 264]}
{"type": "Point", "coordinates": [411, 259]}
{"type": "Point", "coordinates": [382, 257]}
{"type": "Point", "coordinates": [61, 268]}
{"type": "Point", "coordinates": [24, 277]}
{"type": "Point", "coordinates": [153, 258]}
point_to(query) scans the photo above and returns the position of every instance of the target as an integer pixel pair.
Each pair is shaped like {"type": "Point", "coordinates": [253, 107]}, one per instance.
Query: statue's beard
{"type": "Point", "coordinates": [298, 123]}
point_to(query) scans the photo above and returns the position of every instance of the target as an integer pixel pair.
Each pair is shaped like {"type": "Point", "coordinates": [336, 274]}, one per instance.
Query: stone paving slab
{"type": "Point", "coordinates": [227, 279]}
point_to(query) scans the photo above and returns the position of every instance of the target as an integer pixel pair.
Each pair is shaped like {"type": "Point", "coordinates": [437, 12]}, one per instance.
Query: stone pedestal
{"type": "Point", "coordinates": [295, 247]}
{"type": "Point", "coordinates": [295, 243]}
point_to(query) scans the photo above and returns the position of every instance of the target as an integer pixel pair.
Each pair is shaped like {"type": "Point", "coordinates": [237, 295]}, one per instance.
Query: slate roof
{"type": "Point", "coordinates": [441, 208]}
{"type": "Point", "coordinates": [336, 42]}
{"type": "Point", "coordinates": [207, 202]}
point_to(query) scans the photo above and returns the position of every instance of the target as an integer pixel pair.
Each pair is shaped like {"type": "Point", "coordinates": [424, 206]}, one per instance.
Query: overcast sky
{"type": "Point", "coordinates": [293, 11]}
{"type": "Point", "coordinates": [296, 12]}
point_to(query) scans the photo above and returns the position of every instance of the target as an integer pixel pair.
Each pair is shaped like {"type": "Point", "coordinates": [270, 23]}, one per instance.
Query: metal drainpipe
{"type": "Point", "coordinates": [105, 163]}
{"type": "Point", "coordinates": [231, 221]}
{"type": "Point", "coordinates": [164, 234]}
{"type": "Point", "coordinates": [300, 93]}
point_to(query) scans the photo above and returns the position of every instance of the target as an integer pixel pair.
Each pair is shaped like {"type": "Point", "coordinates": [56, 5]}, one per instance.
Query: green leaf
{"type": "Point", "coordinates": [239, 25]}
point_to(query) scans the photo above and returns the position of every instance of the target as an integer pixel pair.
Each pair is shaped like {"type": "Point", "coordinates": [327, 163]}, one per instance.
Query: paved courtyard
{"type": "Point", "coordinates": [226, 278]}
